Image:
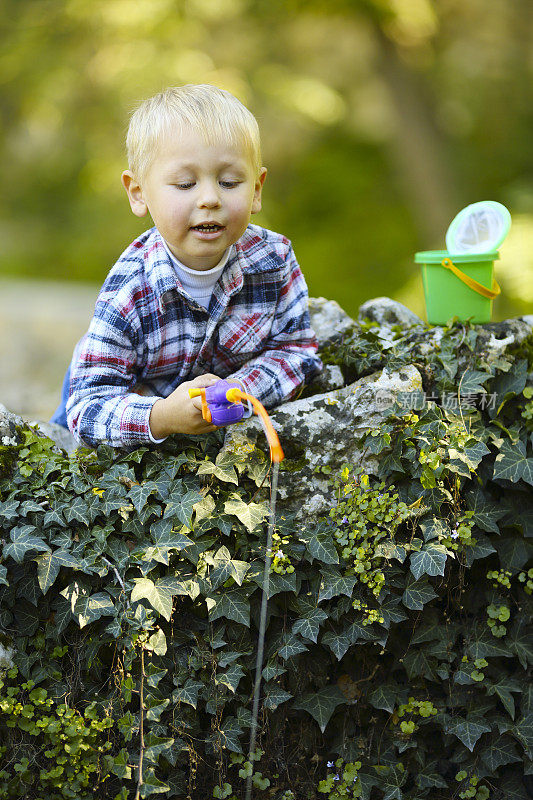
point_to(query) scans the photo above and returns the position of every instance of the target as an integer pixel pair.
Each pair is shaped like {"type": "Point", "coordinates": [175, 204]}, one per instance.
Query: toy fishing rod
{"type": "Point", "coordinates": [222, 405]}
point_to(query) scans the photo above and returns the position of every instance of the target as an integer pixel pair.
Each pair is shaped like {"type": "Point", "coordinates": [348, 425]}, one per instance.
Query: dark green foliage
{"type": "Point", "coordinates": [397, 646]}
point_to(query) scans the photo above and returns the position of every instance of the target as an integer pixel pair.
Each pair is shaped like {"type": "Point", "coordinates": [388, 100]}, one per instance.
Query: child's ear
{"type": "Point", "coordinates": [256, 202]}
{"type": "Point", "coordinates": [135, 193]}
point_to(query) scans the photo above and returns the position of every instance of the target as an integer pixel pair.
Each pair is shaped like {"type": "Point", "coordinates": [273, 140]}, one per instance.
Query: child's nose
{"type": "Point", "coordinates": [208, 196]}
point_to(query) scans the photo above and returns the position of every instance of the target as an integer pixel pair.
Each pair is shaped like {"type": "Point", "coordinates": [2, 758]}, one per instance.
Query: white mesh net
{"type": "Point", "coordinates": [479, 231]}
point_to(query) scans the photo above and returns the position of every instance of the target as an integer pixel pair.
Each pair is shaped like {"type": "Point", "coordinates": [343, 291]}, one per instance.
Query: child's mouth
{"type": "Point", "coordinates": [207, 227]}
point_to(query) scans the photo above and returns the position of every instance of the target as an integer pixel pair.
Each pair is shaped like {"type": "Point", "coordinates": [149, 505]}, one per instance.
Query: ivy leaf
{"type": "Point", "coordinates": [139, 494]}
{"type": "Point", "coordinates": [188, 693]}
{"type": "Point", "coordinates": [511, 463]}
{"type": "Point", "coordinates": [338, 643]}
{"type": "Point", "coordinates": [182, 508]}
{"type": "Point", "coordinates": [291, 646]}
{"type": "Point", "coordinates": [417, 593]}
{"type": "Point", "coordinates": [225, 567]}
{"type": "Point", "coordinates": [3, 575]}
{"type": "Point", "coordinates": [481, 549]}
{"type": "Point", "coordinates": [486, 511]}
{"type": "Point", "coordinates": [472, 381]}
{"type": "Point", "coordinates": [502, 751]}
{"type": "Point", "coordinates": [275, 696]}
{"type": "Point", "coordinates": [89, 609]}
{"type": "Point", "coordinates": [521, 643]}
{"type": "Point", "coordinates": [309, 625]}
{"type": "Point", "coordinates": [231, 678]}
{"type": "Point", "coordinates": [485, 646]}
{"type": "Point", "coordinates": [333, 583]}
{"type": "Point", "coordinates": [77, 510]}
{"type": "Point", "coordinates": [384, 697]}
{"type": "Point", "coordinates": [468, 730]}
{"type": "Point", "coordinates": [321, 704]}
{"type": "Point", "coordinates": [431, 560]}
{"type": "Point", "coordinates": [389, 550]}
{"type": "Point", "coordinates": [503, 690]}
{"type": "Point", "coordinates": [151, 785]}
{"type": "Point", "coordinates": [392, 779]}
{"type": "Point", "coordinates": [428, 778]}
{"type": "Point", "coordinates": [62, 615]}
{"type": "Point", "coordinates": [514, 551]}
{"type": "Point", "coordinates": [506, 385]}
{"type": "Point", "coordinates": [320, 545]}
{"type": "Point", "coordinates": [229, 735]}
{"type": "Point", "coordinates": [277, 583]}
{"type": "Point", "coordinates": [158, 594]}
{"type": "Point", "coordinates": [27, 617]}
{"type": "Point", "coordinates": [250, 514]}
{"type": "Point", "coordinates": [49, 564]}
{"type": "Point", "coordinates": [204, 508]}
{"type": "Point", "coordinates": [224, 472]}
{"type": "Point", "coordinates": [8, 509]}
{"type": "Point", "coordinates": [22, 542]}
{"type": "Point", "coordinates": [434, 528]}
{"type": "Point", "coordinates": [233, 604]}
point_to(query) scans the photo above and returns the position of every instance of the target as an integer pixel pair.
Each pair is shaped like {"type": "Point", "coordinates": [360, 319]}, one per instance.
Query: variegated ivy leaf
{"type": "Point", "coordinates": [225, 567]}
{"type": "Point", "coordinates": [89, 609]}
{"type": "Point", "coordinates": [181, 506]}
{"type": "Point", "coordinates": [511, 463]}
{"type": "Point", "coordinates": [231, 604]}
{"type": "Point", "coordinates": [188, 693]}
{"type": "Point", "coordinates": [158, 594]}
{"type": "Point", "coordinates": [23, 541]}
{"type": "Point", "coordinates": [250, 514]}
{"type": "Point", "coordinates": [431, 560]}
{"type": "Point", "coordinates": [321, 545]}
{"type": "Point", "coordinates": [49, 564]}
{"type": "Point", "coordinates": [333, 583]}
{"type": "Point", "coordinates": [309, 625]}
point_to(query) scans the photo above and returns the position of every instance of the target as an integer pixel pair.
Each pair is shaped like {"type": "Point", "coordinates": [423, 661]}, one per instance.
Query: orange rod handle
{"type": "Point", "coordinates": [206, 414]}
{"type": "Point", "coordinates": [235, 395]}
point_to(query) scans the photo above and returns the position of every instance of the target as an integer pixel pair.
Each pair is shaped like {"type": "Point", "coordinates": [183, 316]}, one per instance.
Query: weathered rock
{"type": "Point", "coordinates": [321, 430]}
{"type": "Point", "coordinates": [329, 379]}
{"type": "Point", "coordinates": [388, 312]}
{"type": "Point", "coordinates": [61, 436]}
{"type": "Point", "coordinates": [8, 430]}
{"type": "Point", "coordinates": [8, 425]}
{"type": "Point", "coordinates": [328, 320]}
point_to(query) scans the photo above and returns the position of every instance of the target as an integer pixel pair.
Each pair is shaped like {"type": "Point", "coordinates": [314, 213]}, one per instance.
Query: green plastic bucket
{"type": "Point", "coordinates": [463, 286]}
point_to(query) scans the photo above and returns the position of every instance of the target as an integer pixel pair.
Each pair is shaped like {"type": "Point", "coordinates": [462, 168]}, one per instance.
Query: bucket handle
{"type": "Point", "coordinates": [477, 287]}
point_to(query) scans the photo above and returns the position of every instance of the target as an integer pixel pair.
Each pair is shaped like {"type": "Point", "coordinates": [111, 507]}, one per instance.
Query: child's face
{"type": "Point", "coordinates": [191, 185]}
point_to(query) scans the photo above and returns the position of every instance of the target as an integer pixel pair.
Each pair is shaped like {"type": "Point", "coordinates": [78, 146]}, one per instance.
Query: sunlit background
{"type": "Point", "coordinates": [380, 120]}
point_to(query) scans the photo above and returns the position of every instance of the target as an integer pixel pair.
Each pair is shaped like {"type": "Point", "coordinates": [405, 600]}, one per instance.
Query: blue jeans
{"type": "Point", "coordinates": [60, 414]}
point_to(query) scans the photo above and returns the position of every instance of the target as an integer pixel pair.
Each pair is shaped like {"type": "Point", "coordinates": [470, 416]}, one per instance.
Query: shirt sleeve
{"type": "Point", "coordinates": [102, 406]}
{"type": "Point", "coordinates": [289, 358]}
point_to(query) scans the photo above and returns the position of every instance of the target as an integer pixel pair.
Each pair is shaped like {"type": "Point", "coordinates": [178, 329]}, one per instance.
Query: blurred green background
{"type": "Point", "coordinates": [380, 120]}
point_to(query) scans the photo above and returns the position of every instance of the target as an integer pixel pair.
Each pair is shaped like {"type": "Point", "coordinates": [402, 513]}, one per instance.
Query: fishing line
{"type": "Point", "coordinates": [262, 623]}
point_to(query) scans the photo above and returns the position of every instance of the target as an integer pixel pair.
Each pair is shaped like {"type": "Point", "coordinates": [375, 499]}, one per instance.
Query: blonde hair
{"type": "Point", "coordinates": [214, 112]}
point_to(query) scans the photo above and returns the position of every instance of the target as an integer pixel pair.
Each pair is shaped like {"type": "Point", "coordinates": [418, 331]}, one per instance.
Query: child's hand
{"type": "Point", "coordinates": [178, 413]}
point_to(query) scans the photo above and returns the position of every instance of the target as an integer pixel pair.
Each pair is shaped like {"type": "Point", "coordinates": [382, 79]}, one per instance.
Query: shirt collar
{"type": "Point", "coordinates": [161, 274]}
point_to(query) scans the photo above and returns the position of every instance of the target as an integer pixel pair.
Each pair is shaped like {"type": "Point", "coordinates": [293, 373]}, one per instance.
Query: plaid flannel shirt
{"type": "Point", "coordinates": [148, 335]}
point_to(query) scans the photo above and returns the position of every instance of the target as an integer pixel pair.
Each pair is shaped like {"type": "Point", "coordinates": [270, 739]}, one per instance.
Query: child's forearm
{"type": "Point", "coordinates": [160, 420]}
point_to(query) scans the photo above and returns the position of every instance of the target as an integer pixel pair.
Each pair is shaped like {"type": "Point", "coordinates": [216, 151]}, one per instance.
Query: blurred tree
{"type": "Point", "coordinates": [380, 120]}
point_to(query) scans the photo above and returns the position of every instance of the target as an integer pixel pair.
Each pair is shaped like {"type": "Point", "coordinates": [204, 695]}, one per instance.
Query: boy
{"type": "Point", "coordinates": [201, 296]}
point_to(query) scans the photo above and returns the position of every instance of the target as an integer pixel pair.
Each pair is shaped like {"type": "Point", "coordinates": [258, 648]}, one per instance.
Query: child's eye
{"type": "Point", "coordinates": [187, 185]}
{"type": "Point", "coordinates": [229, 184]}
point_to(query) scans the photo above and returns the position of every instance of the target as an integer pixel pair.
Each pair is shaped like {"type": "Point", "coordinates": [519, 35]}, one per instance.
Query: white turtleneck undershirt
{"type": "Point", "coordinates": [199, 284]}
